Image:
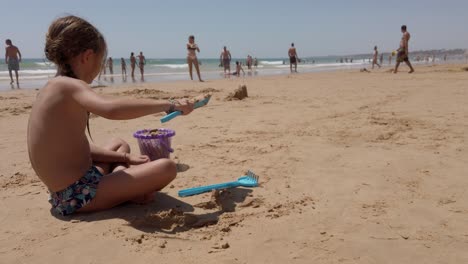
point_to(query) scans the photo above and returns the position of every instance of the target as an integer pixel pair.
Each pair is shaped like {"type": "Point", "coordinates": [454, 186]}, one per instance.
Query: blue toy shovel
{"type": "Point", "coordinates": [249, 180]}
{"type": "Point", "coordinates": [178, 113]}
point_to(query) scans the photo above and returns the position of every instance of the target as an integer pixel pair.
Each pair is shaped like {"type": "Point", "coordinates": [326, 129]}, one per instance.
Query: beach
{"type": "Point", "coordinates": [354, 167]}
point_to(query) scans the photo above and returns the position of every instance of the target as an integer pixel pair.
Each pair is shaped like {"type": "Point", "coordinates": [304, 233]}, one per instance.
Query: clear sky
{"type": "Point", "coordinates": [263, 28]}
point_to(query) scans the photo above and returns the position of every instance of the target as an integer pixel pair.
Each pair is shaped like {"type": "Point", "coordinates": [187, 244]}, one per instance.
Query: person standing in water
{"type": "Point", "coordinates": [141, 64]}
{"type": "Point", "coordinates": [132, 64]}
{"type": "Point", "coordinates": [375, 57]}
{"type": "Point", "coordinates": [293, 58]}
{"type": "Point", "coordinates": [110, 64]}
{"type": "Point", "coordinates": [225, 58]}
{"type": "Point", "coordinates": [192, 59]}
{"type": "Point", "coordinates": [403, 51]}
{"type": "Point", "coordinates": [12, 59]}
{"type": "Point", "coordinates": [123, 64]}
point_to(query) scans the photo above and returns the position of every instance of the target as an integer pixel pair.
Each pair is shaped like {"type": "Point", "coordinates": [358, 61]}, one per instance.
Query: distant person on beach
{"type": "Point", "coordinates": [132, 64]}
{"type": "Point", "coordinates": [255, 62]}
{"type": "Point", "coordinates": [225, 58]}
{"type": "Point", "coordinates": [79, 175]}
{"type": "Point", "coordinates": [192, 59]}
{"type": "Point", "coordinates": [293, 58]}
{"type": "Point", "coordinates": [390, 59]}
{"type": "Point", "coordinates": [12, 59]}
{"type": "Point", "coordinates": [123, 64]}
{"type": "Point", "coordinates": [403, 51]}
{"type": "Point", "coordinates": [238, 69]}
{"type": "Point", "coordinates": [249, 62]}
{"type": "Point", "coordinates": [375, 57]}
{"type": "Point", "coordinates": [141, 64]}
{"type": "Point", "coordinates": [110, 64]}
{"type": "Point", "coordinates": [381, 58]}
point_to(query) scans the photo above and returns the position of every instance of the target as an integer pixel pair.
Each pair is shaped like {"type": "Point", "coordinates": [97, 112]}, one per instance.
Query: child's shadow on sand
{"type": "Point", "coordinates": [167, 214]}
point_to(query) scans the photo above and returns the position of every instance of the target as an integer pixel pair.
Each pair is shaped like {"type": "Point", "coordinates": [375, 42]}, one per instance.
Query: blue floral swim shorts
{"type": "Point", "coordinates": [77, 195]}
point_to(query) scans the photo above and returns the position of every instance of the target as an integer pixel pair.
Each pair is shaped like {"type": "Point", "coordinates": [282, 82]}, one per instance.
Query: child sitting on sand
{"type": "Point", "coordinates": [81, 176]}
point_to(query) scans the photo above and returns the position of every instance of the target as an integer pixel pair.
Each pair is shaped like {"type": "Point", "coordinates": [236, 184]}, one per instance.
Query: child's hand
{"type": "Point", "coordinates": [185, 106]}
{"type": "Point", "coordinates": [137, 159]}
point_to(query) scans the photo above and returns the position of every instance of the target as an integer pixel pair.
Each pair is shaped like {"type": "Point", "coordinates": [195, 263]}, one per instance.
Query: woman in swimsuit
{"type": "Point", "coordinates": [192, 48]}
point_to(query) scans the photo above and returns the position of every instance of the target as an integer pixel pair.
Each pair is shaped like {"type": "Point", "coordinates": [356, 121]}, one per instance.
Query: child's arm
{"type": "Point", "coordinates": [99, 154]}
{"type": "Point", "coordinates": [103, 155]}
{"type": "Point", "coordinates": [120, 108]}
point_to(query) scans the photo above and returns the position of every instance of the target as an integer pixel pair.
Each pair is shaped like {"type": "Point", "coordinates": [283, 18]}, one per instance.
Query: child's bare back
{"type": "Point", "coordinates": [56, 127]}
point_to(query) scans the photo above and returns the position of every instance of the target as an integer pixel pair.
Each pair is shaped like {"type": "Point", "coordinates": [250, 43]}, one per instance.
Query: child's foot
{"type": "Point", "coordinates": [201, 80]}
{"type": "Point", "coordinates": [144, 199]}
{"type": "Point", "coordinates": [411, 71]}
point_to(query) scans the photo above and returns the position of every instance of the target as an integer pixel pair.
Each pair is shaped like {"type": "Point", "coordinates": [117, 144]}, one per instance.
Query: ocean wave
{"type": "Point", "coordinates": [22, 77]}
{"type": "Point", "coordinates": [172, 66]}
{"type": "Point", "coordinates": [271, 62]}
{"type": "Point", "coordinates": [45, 64]}
{"type": "Point", "coordinates": [31, 72]}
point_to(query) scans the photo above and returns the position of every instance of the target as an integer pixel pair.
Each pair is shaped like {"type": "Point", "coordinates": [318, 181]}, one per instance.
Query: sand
{"type": "Point", "coordinates": [354, 168]}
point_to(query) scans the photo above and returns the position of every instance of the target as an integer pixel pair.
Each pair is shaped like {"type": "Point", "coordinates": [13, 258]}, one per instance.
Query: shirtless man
{"type": "Point", "coordinates": [226, 60]}
{"type": "Point", "coordinates": [374, 59]}
{"type": "Point", "coordinates": [141, 64]}
{"type": "Point", "coordinates": [403, 50]}
{"type": "Point", "coordinates": [293, 58]}
{"type": "Point", "coordinates": [132, 64]}
{"type": "Point", "coordinates": [12, 59]}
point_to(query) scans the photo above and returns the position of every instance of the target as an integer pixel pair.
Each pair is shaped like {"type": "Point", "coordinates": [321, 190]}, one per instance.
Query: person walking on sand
{"type": "Point", "coordinates": [293, 58]}
{"type": "Point", "coordinates": [123, 64]}
{"type": "Point", "coordinates": [141, 64]}
{"type": "Point", "coordinates": [225, 58]}
{"type": "Point", "coordinates": [375, 57]}
{"type": "Point", "coordinates": [12, 59]}
{"type": "Point", "coordinates": [132, 64]}
{"type": "Point", "coordinates": [192, 59]}
{"type": "Point", "coordinates": [402, 54]}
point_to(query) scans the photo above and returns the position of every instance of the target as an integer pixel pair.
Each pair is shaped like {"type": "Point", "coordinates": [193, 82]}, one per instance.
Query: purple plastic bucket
{"type": "Point", "coordinates": [156, 145]}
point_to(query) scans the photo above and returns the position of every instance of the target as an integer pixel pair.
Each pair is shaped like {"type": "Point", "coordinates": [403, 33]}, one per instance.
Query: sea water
{"type": "Point", "coordinates": [34, 73]}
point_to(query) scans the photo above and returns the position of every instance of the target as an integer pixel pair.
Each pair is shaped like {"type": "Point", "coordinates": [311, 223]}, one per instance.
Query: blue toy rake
{"type": "Point", "coordinates": [178, 113]}
{"type": "Point", "coordinates": [249, 180]}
